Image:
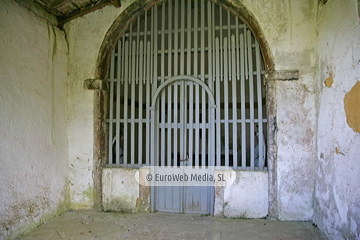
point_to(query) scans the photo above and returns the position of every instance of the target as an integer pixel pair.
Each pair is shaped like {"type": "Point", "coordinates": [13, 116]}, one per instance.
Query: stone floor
{"type": "Point", "coordinates": [102, 225]}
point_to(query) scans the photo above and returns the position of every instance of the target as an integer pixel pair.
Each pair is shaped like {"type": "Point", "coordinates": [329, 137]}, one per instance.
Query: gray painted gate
{"type": "Point", "coordinates": [185, 125]}
{"type": "Point", "coordinates": [158, 119]}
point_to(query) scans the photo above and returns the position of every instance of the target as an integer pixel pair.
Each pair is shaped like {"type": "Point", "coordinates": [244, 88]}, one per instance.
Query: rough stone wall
{"type": "Point", "coordinates": [337, 204]}
{"type": "Point", "coordinates": [289, 28]}
{"type": "Point", "coordinates": [33, 122]}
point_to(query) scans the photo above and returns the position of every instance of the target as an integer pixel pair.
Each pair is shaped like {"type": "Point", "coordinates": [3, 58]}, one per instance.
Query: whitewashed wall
{"type": "Point", "coordinates": [33, 122]}
{"type": "Point", "coordinates": [288, 26]}
{"type": "Point", "coordinates": [337, 205]}
{"type": "Point", "coordinates": [85, 36]}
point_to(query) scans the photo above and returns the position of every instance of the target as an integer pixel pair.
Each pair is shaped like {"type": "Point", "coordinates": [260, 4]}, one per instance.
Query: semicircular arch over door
{"type": "Point", "coordinates": [187, 40]}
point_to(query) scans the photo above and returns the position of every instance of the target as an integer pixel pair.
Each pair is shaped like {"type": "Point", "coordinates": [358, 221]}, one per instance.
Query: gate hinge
{"type": "Point", "coordinates": [95, 84]}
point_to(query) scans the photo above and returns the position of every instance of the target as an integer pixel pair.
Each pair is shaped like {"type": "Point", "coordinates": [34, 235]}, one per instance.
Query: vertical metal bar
{"type": "Point", "coordinates": [176, 35]}
{"type": "Point", "coordinates": [221, 42]}
{"type": "Point", "coordinates": [130, 136]}
{"type": "Point", "coordinates": [237, 48]}
{"type": "Point", "coordinates": [184, 118]}
{"type": "Point", "coordinates": [211, 138]}
{"type": "Point", "coordinates": [162, 145]}
{"type": "Point", "coordinates": [234, 101]}
{"type": "Point", "coordinates": [123, 59]}
{"type": "Point", "coordinates": [191, 85]}
{"type": "Point", "coordinates": [182, 71]}
{"type": "Point", "coordinates": [122, 80]}
{"type": "Point", "coordinates": [182, 38]}
{"type": "Point", "coordinates": [191, 126]}
{"type": "Point", "coordinates": [197, 125]}
{"type": "Point", "coordinates": [196, 30]}
{"type": "Point", "coordinates": [226, 102]}
{"type": "Point", "coordinates": [237, 44]}
{"type": "Point", "coordinates": [126, 82]}
{"type": "Point", "coordinates": [242, 95]}
{"type": "Point", "coordinates": [145, 79]}
{"type": "Point", "coordinates": [152, 86]}
{"type": "Point", "coordinates": [218, 102]}
{"type": "Point", "coordinates": [261, 141]}
{"type": "Point", "coordinates": [133, 83]}
{"type": "Point", "coordinates": [203, 93]}
{"type": "Point", "coordinates": [176, 124]}
{"type": "Point", "coordinates": [251, 93]}
{"type": "Point", "coordinates": [196, 64]}
{"type": "Point", "coordinates": [188, 43]}
{"type": "Point", "coordinates": [210, 46]}
{"type": "Point", "coordinates": [148, 102]}
{"type": "Point", "coordinates": [137, 49]}
{"type": "Point", "coordinates": [146, 137]}
{"type": "Point", "coordinates": [202, 38]}
{"type": "Point", "coordinates": [229, 39]}
{"type": "Point", "coordinates": [155, 84]}
{"type": "Point", "coordinates": [152, 37]}
{"type": "Point", "coordinates": [140, 128]}
{"type": "Point", "coordinates": [118, 137]}
{"type": "Point", "coordinates": [169, 128]}
{"type": "Point", "coordinates": [246, 54]}
{"type": "Point", "coordinates": [214, 137]}
{"type": "Point", "coordinates": [155, 47]}
{"type": "Point", "coordinates": [163, 42]}
{"type": "Point", "coordinates": [111, 110]}
{"type": "Point", "coordinates": [213, 34]}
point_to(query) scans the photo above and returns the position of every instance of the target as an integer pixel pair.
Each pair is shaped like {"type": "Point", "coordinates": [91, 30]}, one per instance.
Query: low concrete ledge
{"type": "Point", "coordinates": [121, 192]}
{"type": "Point", "coordinates": [247, 197]}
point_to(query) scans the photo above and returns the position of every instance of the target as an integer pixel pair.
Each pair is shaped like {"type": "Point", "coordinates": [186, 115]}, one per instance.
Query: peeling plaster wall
{"type": "Point", "coordinates": [85, 36]}
{"type": "Point", "coordinates": [238, 199]}
{"type": "Point", "coordinates": [337, 205]}
{"type": "Point", "coordinates": [120, 189]}
{"type": "Point", "coordinates": [289, 28]}
{"type": "Point", "coordinates": [33, 122]}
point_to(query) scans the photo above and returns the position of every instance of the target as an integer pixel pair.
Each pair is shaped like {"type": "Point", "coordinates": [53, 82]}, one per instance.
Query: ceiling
{"type": "Point", "coordinates": [66, 10]}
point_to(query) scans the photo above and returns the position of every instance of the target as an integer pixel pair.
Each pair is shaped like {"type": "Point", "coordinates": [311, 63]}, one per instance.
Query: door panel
{"type": "Point", "coordinates": [183, 135]}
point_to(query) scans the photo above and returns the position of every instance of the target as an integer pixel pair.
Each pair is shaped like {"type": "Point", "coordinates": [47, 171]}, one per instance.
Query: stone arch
{"type": "Point", "coordinates": [130, 14]}
{"type": "Point", "coordinates": [119, 26]}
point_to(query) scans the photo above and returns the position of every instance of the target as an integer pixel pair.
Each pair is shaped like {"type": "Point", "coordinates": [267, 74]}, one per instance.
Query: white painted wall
{"type": "Point", "coordinates": [33, 122]}
{"type": "Point", "coordinates": [120, 189]}
{"type": "Point", "coordinates": [244, 198]}
{"type": "Point", "coordinates": [289, 28]}
{"type": "Point", "coordinates": [85, 36]}
{"type": "Point", "coordinates": [337, 205]}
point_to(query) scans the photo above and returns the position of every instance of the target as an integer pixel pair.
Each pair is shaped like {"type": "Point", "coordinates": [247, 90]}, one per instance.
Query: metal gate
{"type": "Point", "coordinates": [172, 58]}
{"type": "Point", "coordinates": [182, 137]}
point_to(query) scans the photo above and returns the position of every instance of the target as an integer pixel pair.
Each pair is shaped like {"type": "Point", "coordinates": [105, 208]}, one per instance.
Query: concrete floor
{"type": "Point", "coordinates": [102, 225]}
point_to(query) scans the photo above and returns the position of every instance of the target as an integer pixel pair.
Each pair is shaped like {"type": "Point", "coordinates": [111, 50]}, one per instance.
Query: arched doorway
{"type": "Point", "coordinates": [176, 125]}
{"type": "Point", "coordinates": [193, 38]}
